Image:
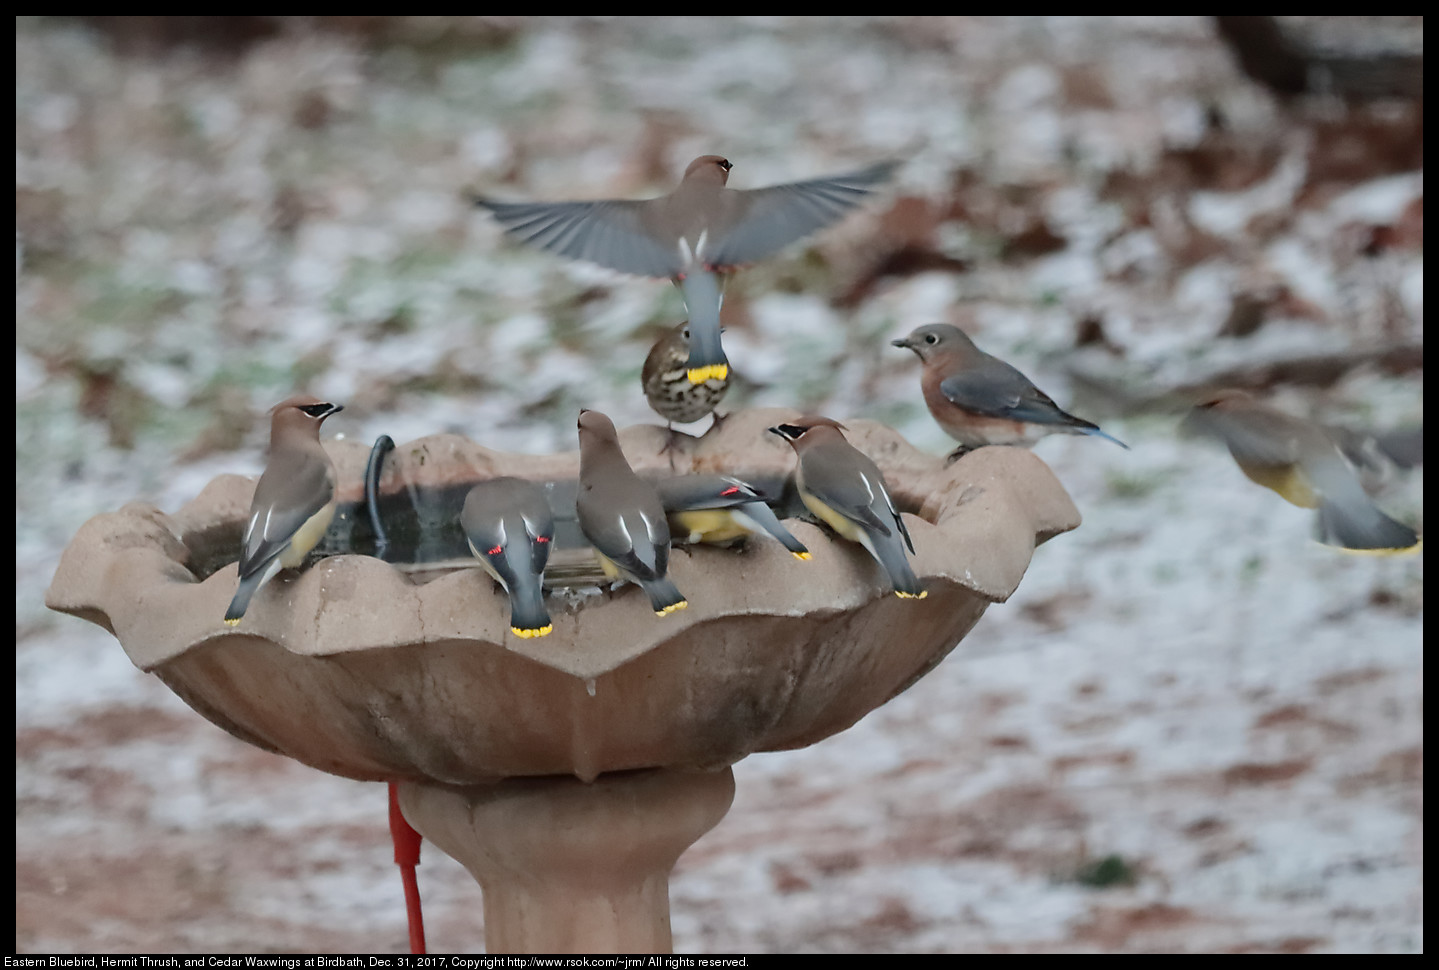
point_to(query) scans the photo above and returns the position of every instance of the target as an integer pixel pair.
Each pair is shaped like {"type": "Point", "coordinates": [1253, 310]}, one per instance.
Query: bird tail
{"type": "Point", "coordinates": [241, 601]}
{"type": "Point", "coordinates": [1103, 434]}
{"type": "Point", "coordinates": [665, 597]}
{"type": "Point", "coordinates": [701, 290]}
{"type": "Point", "coordinates": [763, 517]}
{"type": "Point", "coordinates": [528, 616]}
{"type": "Point", "coordinates": [890, 553]}
{"type": "Point", "coordinates": [1361, 527]}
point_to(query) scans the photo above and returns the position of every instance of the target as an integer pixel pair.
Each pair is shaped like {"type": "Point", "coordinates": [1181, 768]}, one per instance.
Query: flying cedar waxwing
{"type": "Point", "coordinates": [1302, 463]}
{"type": "Point", "coordinates": [621, 515]}
{"type": "Point", "coordinates": [980, 400]}
{"type": "Point", "coordinates": [294, 501]}
{"type": "Point", "coordinates": [718, 509]}
{"type": "Point", "coordinates": [509, 526]}
{"type": "Point", "coordinates": [693, 236]}
{"type": "Point", "coordinates": [846, 491]}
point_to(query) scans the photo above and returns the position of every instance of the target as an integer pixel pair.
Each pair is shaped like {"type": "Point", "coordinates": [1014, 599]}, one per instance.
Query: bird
{"type": "Point", "coordinates": [845, 490]}
{"type": "Point", "coordinates": [621, 515]}
{"type": "Point", "coordinates": [1303, 464]}
{"type": "Point", "coordinates": [509, 527]}
{"type": "Point", "coordinates": [979, 399]}
{"type": "Point", "coordinates": [667, 386]}
{"type": "Point", "coordinates": [718, 509]}
{"type": "Point", "coordinates": [294, 501]}
{"type": "Point", "coordinates": [694, 236]}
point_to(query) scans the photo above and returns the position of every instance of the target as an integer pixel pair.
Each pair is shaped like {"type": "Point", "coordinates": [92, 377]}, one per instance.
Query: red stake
{"type": "Point", "coordinates": [407, 856]}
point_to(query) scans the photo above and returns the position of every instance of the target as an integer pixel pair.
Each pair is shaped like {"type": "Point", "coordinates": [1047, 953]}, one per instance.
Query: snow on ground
{"type": "Point", "coordinates": [1186, 689]}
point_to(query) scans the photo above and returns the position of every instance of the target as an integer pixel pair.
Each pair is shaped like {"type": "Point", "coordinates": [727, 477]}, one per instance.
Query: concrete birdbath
{"type": "Point", "coordinates": [567, 773]}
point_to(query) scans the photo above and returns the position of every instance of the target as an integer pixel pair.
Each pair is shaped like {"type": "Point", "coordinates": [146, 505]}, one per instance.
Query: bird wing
{"type": "Point", "coordinates": [647, 555]}
{"type": "Point", "coordinates": [759, 222]}
{"type": "Point", "coordinates": [898, 519]}
{"type": "Point", "coordinates": [1263, 439]}
{"type": "Point", "coordinates": [606, 232]}
{"type": "Point", "coordinates": [535, 511]}
{"type": "Point", "coordinates": [995, 389]}
{"type": "Point", "coordinates": [842, 482]}
{"type": "Point", "coordinates": [284, 501]}
{"type": "Point", "coordinates": [682, 493]}
{"type": "Point", "coordinates": [631, 537]}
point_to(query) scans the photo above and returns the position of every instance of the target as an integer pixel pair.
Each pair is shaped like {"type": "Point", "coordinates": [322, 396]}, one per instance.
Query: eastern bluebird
{"type": "Point", "coordinates": [980, 400]}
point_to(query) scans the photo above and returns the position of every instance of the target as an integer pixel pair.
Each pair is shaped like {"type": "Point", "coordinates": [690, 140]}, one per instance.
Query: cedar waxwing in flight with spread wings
{"type": "Point", "coordinates": [1301, 462]}
{"type": "Point", "coordinates": [696, 234]}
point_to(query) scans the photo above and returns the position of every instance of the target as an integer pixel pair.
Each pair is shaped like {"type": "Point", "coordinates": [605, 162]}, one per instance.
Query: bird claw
{"type": "Point", "coordinates": [671, 445]}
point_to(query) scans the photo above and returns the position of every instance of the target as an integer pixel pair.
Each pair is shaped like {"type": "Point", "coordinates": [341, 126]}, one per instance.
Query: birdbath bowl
{"type": "Point", "coordinates": [569, 772]}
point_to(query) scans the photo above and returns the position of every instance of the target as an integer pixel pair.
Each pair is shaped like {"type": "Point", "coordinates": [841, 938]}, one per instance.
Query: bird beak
{"type": "Point", "coordinates": [901, 342]}
{"type": "Point", "coordinates": [334, 409]}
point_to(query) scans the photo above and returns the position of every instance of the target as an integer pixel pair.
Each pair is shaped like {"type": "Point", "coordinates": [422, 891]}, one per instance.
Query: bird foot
{"type": "Point", "coordinates": [671, 445]}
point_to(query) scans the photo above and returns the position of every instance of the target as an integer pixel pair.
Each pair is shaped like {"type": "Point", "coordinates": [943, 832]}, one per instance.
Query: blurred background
{"type": "Point", "coordinates": [1192, 728]}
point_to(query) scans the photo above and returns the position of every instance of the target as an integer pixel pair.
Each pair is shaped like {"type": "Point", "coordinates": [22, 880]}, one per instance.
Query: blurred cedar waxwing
{"type": "Point", "coordinates": [980, 400]}
{"type": "Point", "coordinates": [509, 526]}
{"type": "Point", "coordinates": [840, 485]}
{"type": "Point", "coordinates": [717, 509]}
{"type": "Point", "coordinates": [294, 501]}
{"type": "Point", "coordinates": [1302, 463]}
{"type": "Point", "coordinates": [621, 515]}
{"type": "Point", "coordinates": [695, 234]}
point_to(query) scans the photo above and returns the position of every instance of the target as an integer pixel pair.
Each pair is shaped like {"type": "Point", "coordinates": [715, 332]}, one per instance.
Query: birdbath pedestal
{"type": "Point", "coordinates": [567, 773]}
{"type": "Point", "coordinates": [568, 866]}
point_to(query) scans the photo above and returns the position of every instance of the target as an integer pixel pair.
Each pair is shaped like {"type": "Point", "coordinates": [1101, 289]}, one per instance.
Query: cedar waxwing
{"type": "Point", "coordinates": [695, 234]}
{"type": "Point", "coordinates": [621, 515]}
{"type": "Point", "coordinates": [719, 509]}
{"type": "Point", "coordinates": [844, 489]}
{"type": "Point", "coordinates": [509, 526]}
{"type": "Point", "coordinates": [667, 386]}
{"type": "Point", "coordinates": [1297, 459]}
{"type": "Point", "coordinates": [294, 501]}
{"type": "Point", "coordinates": [979, 399]}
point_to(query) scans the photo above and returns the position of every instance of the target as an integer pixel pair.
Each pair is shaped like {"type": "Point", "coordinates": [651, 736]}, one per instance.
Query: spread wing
{"type": "Point", "coordinates": [761, 222]}
{"type": "Point", "coordinates": [607, 232]}
{"type": "Point", "coordinates": [1253, 437]}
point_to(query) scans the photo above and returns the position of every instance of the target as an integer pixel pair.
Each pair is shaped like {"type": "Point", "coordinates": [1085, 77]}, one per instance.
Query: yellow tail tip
{"type": "Point", "coordinates": [1396, 551]}
{"type": "Point", "coordinates": [716, 372]}
{"type": "Point", "coordinates": [234, 622]}
{"type": "Point", "coordinates": [912, 596]}
{"type": "Point", "coordinates": [672, 608]}
{"type": "Point", "coordinates": [803, 556]}
{"type": "Point", "coordinates": [536, 632]}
